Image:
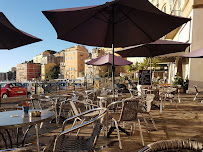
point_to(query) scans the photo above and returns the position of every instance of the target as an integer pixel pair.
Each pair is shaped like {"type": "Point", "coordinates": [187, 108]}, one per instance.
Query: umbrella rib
{"type": "Point", "coordinates": [136, 24]}
{"type": "Point", "coordinates": [104, 17]}
{"type": "Point", "coordinates": [93, 16]}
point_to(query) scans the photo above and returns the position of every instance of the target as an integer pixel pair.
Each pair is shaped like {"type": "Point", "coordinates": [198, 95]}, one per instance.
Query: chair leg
{"type": "Point", "coordinates": [118, 134]}
{"type": "Point", "coordinates": [195, 96]}
{"type": "Point", "coordinates": [140, 132]}
{"type": "Point", "coordinates": [79, 129]}
{"type": "Point", "coordinates": [152, 121]}
{"type": "Point", "coordinates": [146, 123]}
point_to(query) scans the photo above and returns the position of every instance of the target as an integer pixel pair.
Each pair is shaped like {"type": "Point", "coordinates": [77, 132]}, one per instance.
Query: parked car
{"type": "Point", "coordinates": [12, 89]}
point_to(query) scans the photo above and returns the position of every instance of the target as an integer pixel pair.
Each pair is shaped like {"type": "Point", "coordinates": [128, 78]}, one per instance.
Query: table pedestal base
{"type": "Point", "coordinates": [120, 128]}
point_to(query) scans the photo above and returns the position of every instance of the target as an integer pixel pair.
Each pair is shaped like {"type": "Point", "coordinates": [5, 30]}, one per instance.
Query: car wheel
{"type": "Point", "coordinates": [4, 95]}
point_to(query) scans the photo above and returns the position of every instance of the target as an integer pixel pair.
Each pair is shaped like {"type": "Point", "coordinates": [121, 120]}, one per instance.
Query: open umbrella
{"type": "Point", "coordinates": [159, 47]}
{"type": "Point", "coordinates": [156, 48]}
{"type": "Point", "coordinates": [11, 37]}
{"type": "Point", "coordinates": [107, 59]}
{"type": "Point", "coordinates": [119, 23]}
{"type": "Point", "coordinates": [195, 54]}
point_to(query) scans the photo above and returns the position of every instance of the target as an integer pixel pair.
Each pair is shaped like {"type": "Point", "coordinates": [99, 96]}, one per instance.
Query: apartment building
{"type": "Point", "coordinates": [75, 61]}
{"type": "Point", "coordinates": [60, 60]}
{"type": "Point", "coordinates": [45, 68]}
{"type": "Point", "coordinates": [28, 71]}
{"type": "Point", "coordinates": [45, 57]}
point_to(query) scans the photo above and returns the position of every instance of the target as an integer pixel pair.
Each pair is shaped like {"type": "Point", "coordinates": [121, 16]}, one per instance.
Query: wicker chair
{"type": "Point", "coordinates": [65, 142]}
{"type": "Point", "coordinates": [10, 138]}
{"type": "Point", "coordinates": [126, 113]}
{"type": "Point", "coordinates": [144, 111]}
{"type": "Point", "coordinates": [173, 146]}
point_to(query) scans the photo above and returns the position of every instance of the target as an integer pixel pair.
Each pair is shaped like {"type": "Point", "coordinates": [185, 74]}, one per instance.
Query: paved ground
{"type": "Point", "coordinates": [182, 122]}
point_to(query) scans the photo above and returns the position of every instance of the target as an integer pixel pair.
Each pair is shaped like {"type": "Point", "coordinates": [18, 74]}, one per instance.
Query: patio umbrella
{"type": "Point", "coordinates": [107, 59]}
{"type": "Point", "coordinates": [119, 23]}
{"type": "Point", "coordinates": [195, 54]}
{"type": "Point", "coordinates": [159, 47]}
{"type": "Point", "coordinates": [11, 37]}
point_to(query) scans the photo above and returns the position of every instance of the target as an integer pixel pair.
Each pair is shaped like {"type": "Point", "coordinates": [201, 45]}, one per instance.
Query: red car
{"type": "Point", "coordinates": [12, 90]}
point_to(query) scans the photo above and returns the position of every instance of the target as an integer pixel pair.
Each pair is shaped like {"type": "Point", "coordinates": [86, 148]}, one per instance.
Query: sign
{"type": "Point", "coordinates": [144, 77]}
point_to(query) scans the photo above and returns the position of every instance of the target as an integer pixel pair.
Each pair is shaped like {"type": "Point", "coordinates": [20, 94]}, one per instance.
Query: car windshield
{"type": "Point", "coordinates": [3, 84]}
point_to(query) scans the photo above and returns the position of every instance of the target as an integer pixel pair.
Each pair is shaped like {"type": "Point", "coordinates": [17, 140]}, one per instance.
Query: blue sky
{"type": "Point", "coordinates": [27, 15]}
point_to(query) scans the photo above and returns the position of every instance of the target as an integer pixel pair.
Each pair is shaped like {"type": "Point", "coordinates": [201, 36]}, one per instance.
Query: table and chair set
{"type": "Point", "coordinates": [99, 110]}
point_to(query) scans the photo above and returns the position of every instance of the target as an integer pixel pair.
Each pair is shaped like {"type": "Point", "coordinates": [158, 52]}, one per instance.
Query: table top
{"type": "Point", "coordinates": [88, 91]}
{"type": "Point", "coordinates": [108, 97]}
{"type": "Point", "coordinates": [20, 119]}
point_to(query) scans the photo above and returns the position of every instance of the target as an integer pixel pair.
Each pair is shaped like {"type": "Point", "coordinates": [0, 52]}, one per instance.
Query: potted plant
{"type": "Point", "coordinates": [179, 82]}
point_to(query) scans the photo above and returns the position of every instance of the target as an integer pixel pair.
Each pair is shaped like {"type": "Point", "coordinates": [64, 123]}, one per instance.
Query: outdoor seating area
{"type": "Point", "coordinates": [108, 99]}
{"type": "Point", "coordinates": [123, 121]}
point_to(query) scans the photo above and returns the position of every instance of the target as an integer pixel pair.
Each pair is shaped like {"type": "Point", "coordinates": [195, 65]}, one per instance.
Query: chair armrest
{"type": "Point", "coordinates": [84, 102]}
{"type": "Point", "coordinates": [82, 114]}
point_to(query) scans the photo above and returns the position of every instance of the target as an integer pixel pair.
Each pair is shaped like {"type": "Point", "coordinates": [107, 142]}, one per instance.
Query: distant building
{"type": "Point", "coordinates": [100, 71]}
{"type": "Point", "coordinates": [75, 61]}
{"type": "Point", "coordinates": [13, 69]}
{"type": "Point", "coordinates": [8, 76]}
{"type": "Point", "coordinates": [45, 57]}
{"type": "Point", "coordinates": [45, 68]}
{"type": "Point", "coordinates": [28, 71]}
{"type": "Point", "coordinates": [60, 60]}
{"type": "Point", "coordinates": [2, 76]}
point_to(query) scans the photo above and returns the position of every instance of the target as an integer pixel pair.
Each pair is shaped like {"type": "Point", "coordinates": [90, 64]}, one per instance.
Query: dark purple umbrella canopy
{"type": "Point", "coordinates": [107, 59]}
{"type": "Point", "coordinates": [11, 37]}
{"type": "Point", "coordinates": [195, 54]}
{"type": "Point", "coordinates": [159, 47]}
{"type": "Point", "coordinates": [121, 23]}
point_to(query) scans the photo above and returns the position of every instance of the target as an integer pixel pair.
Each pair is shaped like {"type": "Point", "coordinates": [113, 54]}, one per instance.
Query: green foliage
{"type": "Point", "coordinates": [83, 73]}
{"type": "Point", "coordinates": [178, 80]}
{"type": "Point", "coordinates": [54, 72]}
{"type": "Point", "coordinates": [132, 67]}
{"type": "Point", "coordinates": [31, 61]}
{"type": "Point", "coordinates": [144, 65]}
{"type": "Point", "coordinates": [155, 62]}
{"type": "Point", "coordinates": [50, 51]}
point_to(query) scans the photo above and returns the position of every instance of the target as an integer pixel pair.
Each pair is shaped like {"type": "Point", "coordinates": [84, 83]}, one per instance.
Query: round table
{"type": "Point", "coordinates": [17, 118]}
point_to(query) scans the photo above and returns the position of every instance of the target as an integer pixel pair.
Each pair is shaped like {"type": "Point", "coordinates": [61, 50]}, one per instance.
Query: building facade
{"type": "Point", "coordinates": [28, 72]}
{"type": "Point", "coordinates": [75, 61]}
{"type": "Point", "coordinates": [45, 57]}
{"type": "Point", "coordinates": [45, 68]}
{"type": "Point", "coordinates": [60, 60]}
{"type": "Point", "coordinates": [189, 32]}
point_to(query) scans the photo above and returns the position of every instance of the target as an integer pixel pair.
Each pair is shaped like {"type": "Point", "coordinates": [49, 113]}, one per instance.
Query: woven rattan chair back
{"type": "Point", "coordinates": [129, 111]}
{"type": "Point", "coordinates": [173, 146]}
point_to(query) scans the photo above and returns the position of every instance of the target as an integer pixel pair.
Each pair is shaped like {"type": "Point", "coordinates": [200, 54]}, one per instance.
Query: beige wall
{"type": "Point", "coordinates": [196, 65]}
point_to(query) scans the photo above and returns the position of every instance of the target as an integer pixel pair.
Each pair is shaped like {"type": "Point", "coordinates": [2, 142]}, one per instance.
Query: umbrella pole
{"type": "Point", "coordinates": [150, 70]}
{"type": "Point", "coordinates": [113, 66]}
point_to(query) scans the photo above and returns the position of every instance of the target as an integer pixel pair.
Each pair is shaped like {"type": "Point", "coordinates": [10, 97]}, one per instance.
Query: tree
{"type": "Point", "coordinates": [54, 72]}
{"type": "Point", "coordinates": [144, 65]}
